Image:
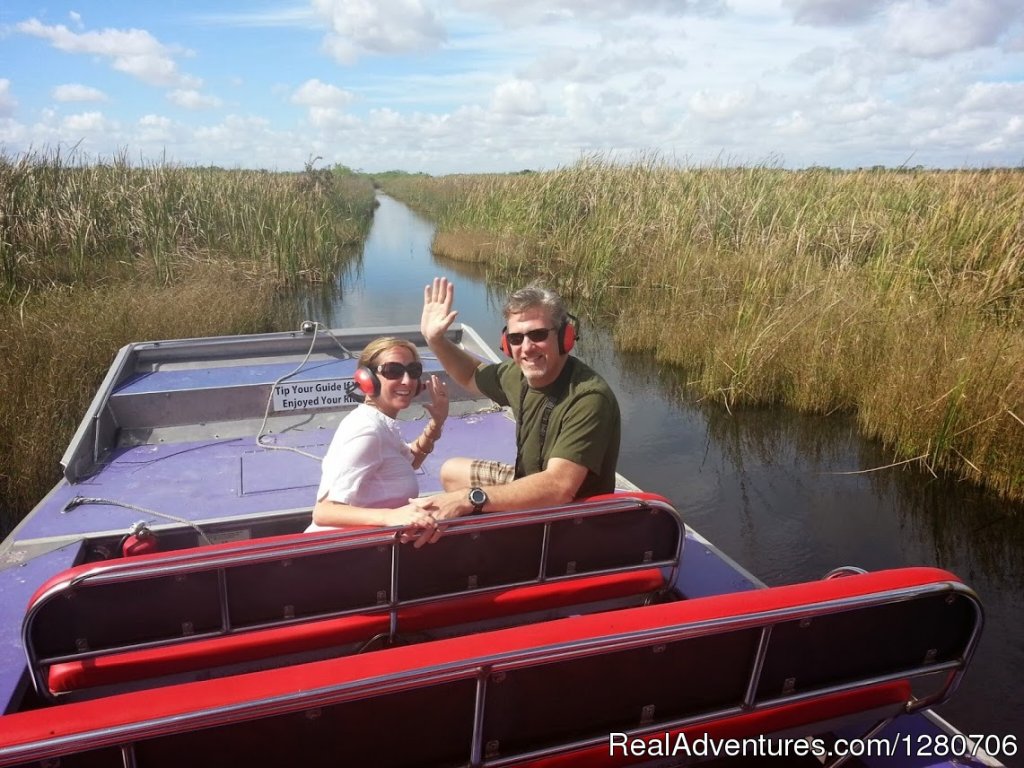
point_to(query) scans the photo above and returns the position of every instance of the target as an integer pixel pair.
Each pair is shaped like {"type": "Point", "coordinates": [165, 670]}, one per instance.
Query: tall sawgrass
{"type": "Point", "coordinates": [93, 256]}
{"type": "Point", "coordinates": [65, 222]}
{"type": "Point", "coordinates": [894, 295]}
{"type": "Point", "coordinates": [56, 347]}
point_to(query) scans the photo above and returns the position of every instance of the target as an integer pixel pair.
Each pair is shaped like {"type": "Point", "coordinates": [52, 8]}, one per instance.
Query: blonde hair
{"type": "Point", "coordinates": [379, 346]}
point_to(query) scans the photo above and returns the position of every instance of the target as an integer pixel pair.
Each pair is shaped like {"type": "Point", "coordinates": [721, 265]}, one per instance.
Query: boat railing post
{"type": "Point", "coordinates": [225, 611]}
{"type": "Point", "coordinates": [127, 755]}
{"type": "Point", "coordinates": [477, 734]}
{"type": "Point", "coordinates": [955, 675]}
{"type": "Point", "coordinates": [545, 545]}
{"type": "Point", "coordinates": [393, 597]}
{"type": "Point", "coordinates": [758, 665]}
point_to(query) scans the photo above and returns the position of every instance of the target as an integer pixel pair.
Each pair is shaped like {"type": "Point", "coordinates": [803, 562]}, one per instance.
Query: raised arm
{"type": "Point", "coordinates": [437, 318]}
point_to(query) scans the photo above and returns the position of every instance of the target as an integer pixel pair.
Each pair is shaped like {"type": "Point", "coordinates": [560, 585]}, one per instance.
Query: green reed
{"type": "Point", "coordinates": [93, 256]}
{"type": "Point", "coordinates": [65, 222]}
{"type": "Point", "coordinates": [895, 295]}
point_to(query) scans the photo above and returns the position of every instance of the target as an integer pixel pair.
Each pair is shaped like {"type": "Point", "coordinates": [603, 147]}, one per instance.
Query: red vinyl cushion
{"type": "Point", "coordinates": [538, 597]}
{"type": "Point", "coordinates": [186, 656]}
{"type": "Point", "coordinates": [130, 666]}
{"type": "Point", "coordinates": [205, 696]}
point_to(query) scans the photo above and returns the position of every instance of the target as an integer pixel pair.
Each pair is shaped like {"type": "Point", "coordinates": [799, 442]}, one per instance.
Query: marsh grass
{"type": "Point", "coordinates": [64, 222]}
{"type": "Point", "coordinates": [894, 295]}
{"type": "Point", "coordinates": [56, 347]}
{"type": "Point", "coordinates": [465, 246]}
{"type": "Point", "coordinates": [95, 256]}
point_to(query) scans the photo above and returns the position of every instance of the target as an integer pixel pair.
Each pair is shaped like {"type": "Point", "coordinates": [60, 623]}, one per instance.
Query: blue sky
{"type": "Point", "coordinates": [453, 86]}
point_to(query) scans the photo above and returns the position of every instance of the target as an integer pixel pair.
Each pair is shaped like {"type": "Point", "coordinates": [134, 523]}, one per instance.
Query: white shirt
{"type": "Point", "coordinates": [367, 464]}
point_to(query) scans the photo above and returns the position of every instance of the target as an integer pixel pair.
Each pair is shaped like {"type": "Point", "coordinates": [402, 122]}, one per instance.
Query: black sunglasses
{"type": "Point", "coordinates": [537, 335]}
{"type": "Point", "coordinates": [395, 371]}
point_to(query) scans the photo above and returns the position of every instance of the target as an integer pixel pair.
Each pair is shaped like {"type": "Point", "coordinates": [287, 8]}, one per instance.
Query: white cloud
{"type": "Point", "coordinates": [156, 129]}
{"type": "Point", "coordinates": [87, 122]}
{"type": "Point", "coordinates": [192, 99]}
{"type": "Point", "coordinates": [856, 111]}
{"type": "Point", "coordinates": [327, 118]}
{"type": "Point", "coordinates": [548, 11]}
{"type": "Point", "coordinates": [360, 27]}
{"type": "Point", "coordinates": [314, 93]}
{"type": "Point", "coordinates": [237, 139]}
{"type": "Point", "coordinates": [234, 128]}
{"type": "Point", "coordinates": [7, 101]}
{"type": "Point", "coordinates": [793, 124]}
{"type": "Point", "coordinates": [598, 63]}
{"type": "Point", "coordinates": [518, 97]}
{"type": "Point", "coordinates": [292, 16]}
{"type": "Point", "coordinates": [11, 131]}
{"type": "Point", "coordinates": [132, 51]}
{"type": "Point", "coordinates": [720, 106]}
{"type": "Point", "coordinates": [930, 29]}
{"type": "Point", "coordinates": [829, 13]}
{"type": "Point", "coordinates": [995, 96]}
{"type": "Point", "coordinates": [814, 60]}
{"type": "Point", "coordinates": [578, 105]}
{"type": "Point", "coordinates": [959, 132]}
{"type": "Point", "coordinates": [1010, 137]}
{"type": "Point", "coordinates": [326, 105]}
{"type": "Point", "coordinates": [78, 92]}
{"type": "Point", "coordinates": [385, 118]}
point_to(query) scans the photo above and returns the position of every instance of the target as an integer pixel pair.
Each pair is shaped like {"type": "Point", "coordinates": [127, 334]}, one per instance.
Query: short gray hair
{"type": "Point", "coordinates": [536, 295]}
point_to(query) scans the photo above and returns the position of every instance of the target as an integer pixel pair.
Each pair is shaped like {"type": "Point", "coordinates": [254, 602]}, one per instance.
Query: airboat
{"type": "Point", "coordinates": [162, 605]}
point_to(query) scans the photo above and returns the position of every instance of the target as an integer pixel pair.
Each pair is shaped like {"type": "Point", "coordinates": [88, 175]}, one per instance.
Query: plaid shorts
{"type": "Point", "coordinates": [483, 472]}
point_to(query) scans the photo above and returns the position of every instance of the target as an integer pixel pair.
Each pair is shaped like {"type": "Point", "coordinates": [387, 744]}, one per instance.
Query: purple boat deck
{"type": "Point", "coordinates": [215, 479]}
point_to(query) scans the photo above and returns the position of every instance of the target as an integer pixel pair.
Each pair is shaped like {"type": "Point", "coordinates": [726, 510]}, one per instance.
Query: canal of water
{"type": "Point", "coordinates": [786, 495]}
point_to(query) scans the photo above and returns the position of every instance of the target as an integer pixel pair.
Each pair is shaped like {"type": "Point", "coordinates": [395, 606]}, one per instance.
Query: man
{"type": "Point", "coordinates": [567, 418]}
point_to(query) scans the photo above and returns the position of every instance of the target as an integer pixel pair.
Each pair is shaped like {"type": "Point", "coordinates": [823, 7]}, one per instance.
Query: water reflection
{"type": "Point", "coordinates": [784, 494]}
{"type": "Point", "coordinates": [964, 527]}
{"type": "Point", "coordinates": [472, 269]}
{"type": "Point", "coordinates": [385, 285]}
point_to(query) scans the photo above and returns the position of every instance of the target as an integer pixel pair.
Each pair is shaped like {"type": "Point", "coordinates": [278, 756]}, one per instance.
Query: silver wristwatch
{"type": "Point", "coordinates": [477, 497]}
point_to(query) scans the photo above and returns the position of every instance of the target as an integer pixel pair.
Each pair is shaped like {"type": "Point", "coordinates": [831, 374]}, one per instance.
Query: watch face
{"type": "Point", "coordinates": [477, 496]}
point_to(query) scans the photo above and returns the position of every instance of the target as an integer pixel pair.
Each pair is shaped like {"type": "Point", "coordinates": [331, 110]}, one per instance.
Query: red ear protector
{"type": "Point", "coordinates": [567, 334]}
{"type": "Point", "coordinates": [369, 382]}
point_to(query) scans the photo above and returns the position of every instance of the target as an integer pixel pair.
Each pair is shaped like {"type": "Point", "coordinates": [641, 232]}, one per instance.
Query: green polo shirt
{"type": "Point", "coordinates": [583, 426]}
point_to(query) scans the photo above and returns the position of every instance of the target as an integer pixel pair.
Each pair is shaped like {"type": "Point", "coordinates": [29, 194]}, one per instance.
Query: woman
{"type": "Point", "coordinates": [368, 476]}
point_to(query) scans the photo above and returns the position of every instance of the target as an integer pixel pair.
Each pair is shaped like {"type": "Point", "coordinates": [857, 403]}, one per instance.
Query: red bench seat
{"type": "Point", "coordinates": [132, 666]}
{"type": "Point", "coordinates": [548, 694]}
